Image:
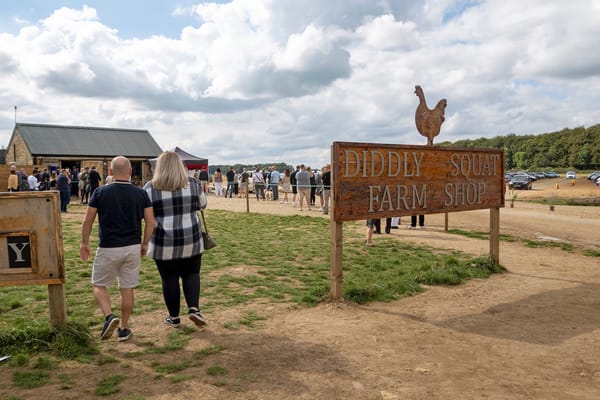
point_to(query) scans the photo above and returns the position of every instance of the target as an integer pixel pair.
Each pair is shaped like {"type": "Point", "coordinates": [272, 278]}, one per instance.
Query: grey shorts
{"type": "Point", "coordinates": [123, 262]}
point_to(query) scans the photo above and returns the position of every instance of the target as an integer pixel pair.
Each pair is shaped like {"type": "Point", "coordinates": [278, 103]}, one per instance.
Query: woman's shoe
{"type": "Point", "coordinates": [174, 322]}
{"type": "Point", "coordinates": [197, 318]}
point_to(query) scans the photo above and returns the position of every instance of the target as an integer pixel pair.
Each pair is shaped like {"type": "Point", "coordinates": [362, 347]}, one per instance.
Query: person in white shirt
{"type": "Point", "coordinates": [33, 182]}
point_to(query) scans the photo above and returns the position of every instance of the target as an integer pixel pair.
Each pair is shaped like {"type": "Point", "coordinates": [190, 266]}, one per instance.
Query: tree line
{"type": "Point", "coordinates": [577, 148]}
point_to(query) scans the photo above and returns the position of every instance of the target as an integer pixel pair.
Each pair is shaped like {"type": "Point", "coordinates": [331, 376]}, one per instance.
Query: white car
{"type": "Point", "coordinates": [570, 175]}
{"type": "Point", "coordinates": [598, 182]}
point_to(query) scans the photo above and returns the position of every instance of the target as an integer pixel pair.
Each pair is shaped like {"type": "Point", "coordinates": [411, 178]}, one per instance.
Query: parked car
{"type": "Point", "coordinates": [520, 182]}
{"type": "Point", "coordinates": [570, 175]}
{"type": "Point", "coordinates": [593, 176]}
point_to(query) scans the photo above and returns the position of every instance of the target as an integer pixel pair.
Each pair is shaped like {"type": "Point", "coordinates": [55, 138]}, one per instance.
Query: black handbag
{"type": "Point", "coordinates": [208, 241]}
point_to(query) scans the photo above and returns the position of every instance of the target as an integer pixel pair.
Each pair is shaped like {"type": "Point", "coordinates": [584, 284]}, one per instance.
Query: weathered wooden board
{"type": "Point", "coordinates": [381, 180]}
{"type": "Point", "coordinates": [31, 248]}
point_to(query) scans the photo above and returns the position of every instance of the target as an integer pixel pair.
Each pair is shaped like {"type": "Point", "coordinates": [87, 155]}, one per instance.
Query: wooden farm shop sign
{"type": "Point", "coordinates": [373, 181]}
{"type": "Point", "coordinates": [377, 180]}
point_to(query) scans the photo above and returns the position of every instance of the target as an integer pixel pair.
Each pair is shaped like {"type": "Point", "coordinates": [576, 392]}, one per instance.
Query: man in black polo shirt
{"type": "Point", "coordinates": [121, 207]}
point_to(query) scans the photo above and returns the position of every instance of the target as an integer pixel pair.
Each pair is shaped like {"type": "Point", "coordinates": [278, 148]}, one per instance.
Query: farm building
{"type": "Point", "coordinates": [60, 146]}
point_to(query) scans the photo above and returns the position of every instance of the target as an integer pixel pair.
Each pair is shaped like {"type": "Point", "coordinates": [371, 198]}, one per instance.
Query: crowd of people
{"type": "Point", "coordinates": [70, 182]}
{"type": "Point", "coordinates": [301, 187]}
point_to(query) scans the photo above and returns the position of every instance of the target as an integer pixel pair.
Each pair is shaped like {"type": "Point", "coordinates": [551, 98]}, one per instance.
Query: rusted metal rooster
{"type": "Point", "coordinates": [429, 121]}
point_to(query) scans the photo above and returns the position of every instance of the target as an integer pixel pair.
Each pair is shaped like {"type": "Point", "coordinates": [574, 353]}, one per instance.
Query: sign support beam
{"type": "Point", "coordinates": [58, 306]}
{"type": "Point", "coordinates": [337, 255]}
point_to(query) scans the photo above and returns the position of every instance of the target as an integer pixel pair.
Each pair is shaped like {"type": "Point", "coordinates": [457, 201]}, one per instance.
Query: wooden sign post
{"type": "Point", "coordinates": [31, 248]}
{"type": "Point", "coordinates": [384, 180]}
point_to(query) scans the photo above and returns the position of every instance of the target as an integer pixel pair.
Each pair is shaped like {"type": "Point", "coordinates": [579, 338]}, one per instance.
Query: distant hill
{"type": "Point", "coordinates": [577, 148]}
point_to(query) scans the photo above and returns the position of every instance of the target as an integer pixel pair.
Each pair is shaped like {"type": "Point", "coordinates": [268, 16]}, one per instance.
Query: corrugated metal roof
{"type": "Point", "coordinates": [59, 140]}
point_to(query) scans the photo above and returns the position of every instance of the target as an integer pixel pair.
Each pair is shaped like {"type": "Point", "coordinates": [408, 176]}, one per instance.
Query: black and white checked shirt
{"type": "Point", "coordinates": [177, 231]}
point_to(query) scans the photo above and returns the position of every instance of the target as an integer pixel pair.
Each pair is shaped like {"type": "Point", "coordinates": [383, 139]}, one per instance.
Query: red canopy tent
{"type": "Point", "coordinates": [189, 160]}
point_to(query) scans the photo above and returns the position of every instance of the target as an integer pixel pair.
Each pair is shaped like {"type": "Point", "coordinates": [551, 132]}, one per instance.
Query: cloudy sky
{"type": "Point", "coordinates": [279, 80]}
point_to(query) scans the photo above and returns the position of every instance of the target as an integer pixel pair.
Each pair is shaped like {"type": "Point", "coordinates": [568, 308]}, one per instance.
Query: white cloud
{"type": "Point", "coordinates": [385, 33]}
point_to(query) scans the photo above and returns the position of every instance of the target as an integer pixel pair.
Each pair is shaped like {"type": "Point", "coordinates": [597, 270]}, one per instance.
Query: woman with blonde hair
{"type": "Point", "coordinates": [13, 180]}
{"type": "Point", "coordinates": [176, 245]}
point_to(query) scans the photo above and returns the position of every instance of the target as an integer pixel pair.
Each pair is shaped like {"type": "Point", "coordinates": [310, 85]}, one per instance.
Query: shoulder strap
{"type": "Point", "coordinates": [204, 221]}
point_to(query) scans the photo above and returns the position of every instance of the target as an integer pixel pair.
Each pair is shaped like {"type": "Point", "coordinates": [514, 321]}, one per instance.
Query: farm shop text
{"type": "Point", "coordinates": [461, 177]}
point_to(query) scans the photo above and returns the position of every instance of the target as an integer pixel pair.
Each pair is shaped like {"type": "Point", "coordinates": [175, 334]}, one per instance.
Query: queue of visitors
{"type": "Point", "coordinates": [303, 187]}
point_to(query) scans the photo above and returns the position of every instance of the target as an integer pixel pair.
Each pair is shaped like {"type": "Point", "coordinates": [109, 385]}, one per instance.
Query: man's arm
{"type": "Point", "coordinates": [148, 229]}
{"type": "Point", "coordinates": [86, 230]}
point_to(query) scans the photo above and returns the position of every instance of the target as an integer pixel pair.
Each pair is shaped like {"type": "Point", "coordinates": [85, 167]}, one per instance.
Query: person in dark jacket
{"type": "Point", "coordinates": [94, 179]}
{"type": "Point", "coordinates": [63, 184]}
{"type": "Point", "coordinates": [230, 182]}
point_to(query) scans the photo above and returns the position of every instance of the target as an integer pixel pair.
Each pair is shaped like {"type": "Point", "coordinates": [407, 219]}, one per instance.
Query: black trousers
{"type": "Point", "coordinates": [388, 225]}
{"type": "Point", "coordinates": [413, 220]}
{"type": "Point", "coordinates": [377, 225]}
{"type": "Point", "coordinates": [171, 271]}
